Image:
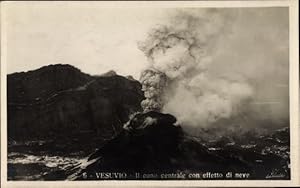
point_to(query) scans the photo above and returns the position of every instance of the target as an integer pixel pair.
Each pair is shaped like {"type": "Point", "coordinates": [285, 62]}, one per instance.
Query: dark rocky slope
{"type": "Point", "coordinates": [150, 143]}
{"type": "Point", "coordinates": [59, 101]}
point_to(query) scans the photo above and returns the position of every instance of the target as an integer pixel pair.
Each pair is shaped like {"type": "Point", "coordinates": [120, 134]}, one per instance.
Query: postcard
{"type": "Point", "coordinates": [150, 93]}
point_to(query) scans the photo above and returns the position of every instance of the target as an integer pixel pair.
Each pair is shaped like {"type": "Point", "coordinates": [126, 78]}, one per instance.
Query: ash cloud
{"type": "Point", "coordinates": [182, 77]}
{"type": "Point", "coordinates": [153, 84]}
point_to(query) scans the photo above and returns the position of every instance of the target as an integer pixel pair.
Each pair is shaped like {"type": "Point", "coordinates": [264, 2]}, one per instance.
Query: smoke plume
{"type": "Point", "coordinates": [180, 79]}
{"type": "Point", "coordinates": [153, 84]}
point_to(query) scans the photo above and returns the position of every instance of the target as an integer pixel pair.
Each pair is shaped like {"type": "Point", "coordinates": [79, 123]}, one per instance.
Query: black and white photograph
{"type": "Point", "coordinates": [96, 92]}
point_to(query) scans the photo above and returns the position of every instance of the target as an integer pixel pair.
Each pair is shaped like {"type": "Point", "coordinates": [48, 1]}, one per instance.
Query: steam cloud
{"type": "Point", "coordinates": [178, 80]}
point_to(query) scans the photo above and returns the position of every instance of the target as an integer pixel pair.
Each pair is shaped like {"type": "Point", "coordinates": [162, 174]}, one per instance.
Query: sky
{"type": "Point", "coordinates": [93, 39]}
{"type": "Point", "coordinates": [96, 40]}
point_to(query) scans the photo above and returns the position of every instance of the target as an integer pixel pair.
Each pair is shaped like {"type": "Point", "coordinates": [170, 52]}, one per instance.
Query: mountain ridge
{"type": "Point", "coordinates": [73, 101]}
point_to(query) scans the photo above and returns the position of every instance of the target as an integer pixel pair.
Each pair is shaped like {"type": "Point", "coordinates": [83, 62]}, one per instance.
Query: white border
{"type": "Point", "coordinates": [294, 98]}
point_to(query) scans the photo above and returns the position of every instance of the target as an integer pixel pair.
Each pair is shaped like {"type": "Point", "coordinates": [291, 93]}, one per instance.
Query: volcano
{"type": "Point", "coordinates": [58, 115]}
{"type": "Point", "coordinates": [153, 143]}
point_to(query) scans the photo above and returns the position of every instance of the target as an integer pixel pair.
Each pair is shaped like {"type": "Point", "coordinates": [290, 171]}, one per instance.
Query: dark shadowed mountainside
{"type": "Point", "coordinates": [60, 101]}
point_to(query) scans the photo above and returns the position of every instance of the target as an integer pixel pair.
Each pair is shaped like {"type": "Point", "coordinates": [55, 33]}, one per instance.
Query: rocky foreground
{"type": "Point", "coordinates": [152, 147]}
